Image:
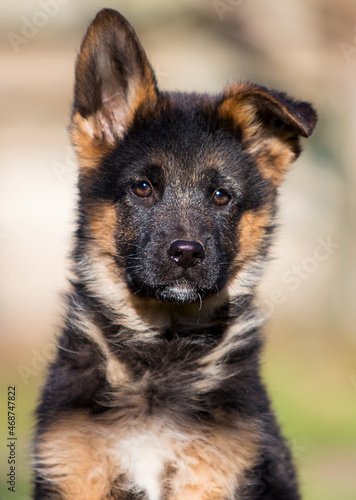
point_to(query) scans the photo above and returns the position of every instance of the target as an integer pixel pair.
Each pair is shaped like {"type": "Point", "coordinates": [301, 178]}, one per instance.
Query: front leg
{"type": "Point", "coordinates": [73, 462]}
{"type": "Point", "coordinates": [273, 478]}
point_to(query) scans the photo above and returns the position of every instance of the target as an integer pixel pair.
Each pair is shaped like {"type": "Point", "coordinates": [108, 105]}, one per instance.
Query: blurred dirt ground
{"type": "Point", "coordinates": [305, 47]}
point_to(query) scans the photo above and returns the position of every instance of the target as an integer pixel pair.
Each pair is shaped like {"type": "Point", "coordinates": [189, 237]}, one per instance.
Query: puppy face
{"type": "Point", "coordinates": [177, 191]}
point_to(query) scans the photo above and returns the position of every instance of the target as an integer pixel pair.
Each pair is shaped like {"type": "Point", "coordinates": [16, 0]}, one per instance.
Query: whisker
{"type": "Point", "coordinates": [200, 302]}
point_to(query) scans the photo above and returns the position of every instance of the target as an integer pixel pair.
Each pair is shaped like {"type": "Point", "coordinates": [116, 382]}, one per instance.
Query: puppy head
{"type": "Point", "coordinates": [177, 191]}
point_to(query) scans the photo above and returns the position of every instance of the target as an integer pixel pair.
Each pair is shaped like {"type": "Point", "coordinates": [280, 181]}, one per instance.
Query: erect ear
{"type": "Point", "coordinates": [114, 80]}
{"type": "Point", "coordinates": [269, 124]}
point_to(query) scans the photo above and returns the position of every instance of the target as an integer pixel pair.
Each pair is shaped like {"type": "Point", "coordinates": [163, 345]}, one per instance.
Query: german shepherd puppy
{"type": "Point", "coordinates": [155, 391]}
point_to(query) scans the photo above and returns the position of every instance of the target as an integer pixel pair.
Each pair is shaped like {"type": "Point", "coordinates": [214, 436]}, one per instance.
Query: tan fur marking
{"type": "Point", "coordinates": [145, 94]}
{"type": "Point", "coordinates": [215, 464]}
{"type": "Point", "coordinates": [242, 114]}
{"type": "Point", "coordinates": [273, 158]}
{"type": "Point", "coordinates": [103, 225]}
{"type": "Point", "coordinates": [116, 372]}
{"type": "Point", "coordinates": [73, 455]}
{"type": "Point", "coordinates": [252, 229]}
{"type": "Point", "coordinates": [105, 280]}
{"type": "Point", "coordinates": [85, 457]}
{"type": "Point", "coordinates": [88, 140]}
{"type": "Point", "coordinates": [273, 152]}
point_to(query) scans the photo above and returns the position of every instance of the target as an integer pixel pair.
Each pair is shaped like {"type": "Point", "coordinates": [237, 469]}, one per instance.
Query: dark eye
{"type": "Point", "coordinates": [221, 197]}
{"type": "Point", "coordinates": [143, 189]}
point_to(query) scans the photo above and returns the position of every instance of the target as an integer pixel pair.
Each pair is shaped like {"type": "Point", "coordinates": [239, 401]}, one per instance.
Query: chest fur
{"type": "Point", "coordinates": [93, 459]}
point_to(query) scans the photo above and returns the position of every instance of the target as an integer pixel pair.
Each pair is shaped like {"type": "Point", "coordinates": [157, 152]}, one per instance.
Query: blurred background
{"type": "Point", "coordinates": [304, 47]}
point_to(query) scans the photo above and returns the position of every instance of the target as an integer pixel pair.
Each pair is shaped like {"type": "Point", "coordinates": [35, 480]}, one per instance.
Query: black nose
{"type": "Point", "coordinates": [186, 253]}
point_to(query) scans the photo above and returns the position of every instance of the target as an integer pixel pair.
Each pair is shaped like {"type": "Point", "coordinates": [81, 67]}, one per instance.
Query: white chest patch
{"type": "Point", "coordinates": [143, 453]}
{"type": "Point", "coordinates": [156, 457]}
